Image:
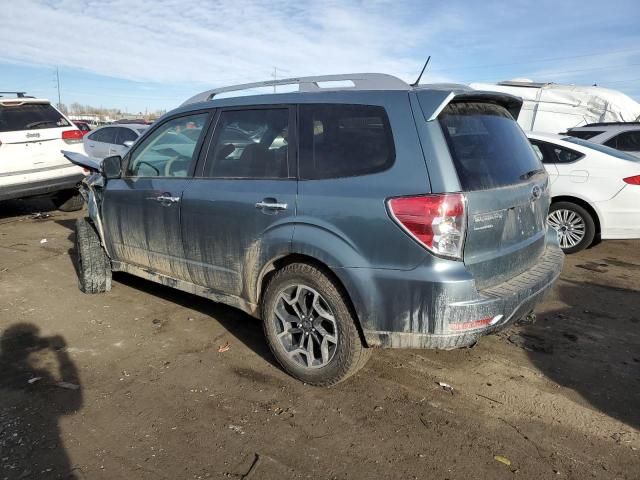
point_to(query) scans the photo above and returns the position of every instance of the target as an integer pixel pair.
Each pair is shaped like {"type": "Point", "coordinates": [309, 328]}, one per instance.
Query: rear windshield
{"type": "Point", "coordinates": [488, 147]}
{"type": "Point", "coordinates": [584, 134]}
{"type": "Point", "coordinates": [601, 148]}
{"type": "Point", "coordinates": [30, 116]}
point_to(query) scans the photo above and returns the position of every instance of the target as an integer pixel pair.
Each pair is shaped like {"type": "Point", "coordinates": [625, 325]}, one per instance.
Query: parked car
{"type": "Point", "coordinates": [32, 134]}
{"type": "Point", "coordinates": [623, 136]}
{"type": "Point", "coordinates": [377, 215]}
{"type": "Point", "coordinates": [82, 126]}
{"type": "Point", "coordinates": [595, 190]}
{"type": "Point", "coordinates": [112, 139]}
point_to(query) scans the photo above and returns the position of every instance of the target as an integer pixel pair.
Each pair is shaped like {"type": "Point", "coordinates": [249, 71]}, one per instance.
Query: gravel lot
{"type": "Point", "coordinates": [147, 394]}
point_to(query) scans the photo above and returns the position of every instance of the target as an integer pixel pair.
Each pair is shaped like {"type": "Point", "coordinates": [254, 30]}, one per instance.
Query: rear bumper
{"type": "Point", "coordinates": [40, 187]}
{"type": "Point", "coordinates": [419, 313]}
{"type": "Point", "coordinates": [620, 216]}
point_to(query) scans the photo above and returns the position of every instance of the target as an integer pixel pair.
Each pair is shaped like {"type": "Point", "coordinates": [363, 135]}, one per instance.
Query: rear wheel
{"type": "Point", "coordinates": [574, 224]}
{"type": "Point", "coordinates": [310, 328]}
{"type": "Point", "coordinates": [68, 201]}
{"type": "Point", "coordinates": [93, 265]}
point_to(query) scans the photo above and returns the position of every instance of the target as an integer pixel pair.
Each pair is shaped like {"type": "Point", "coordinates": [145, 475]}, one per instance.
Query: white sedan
{"type": "Point", "coordinates": [595, 190]}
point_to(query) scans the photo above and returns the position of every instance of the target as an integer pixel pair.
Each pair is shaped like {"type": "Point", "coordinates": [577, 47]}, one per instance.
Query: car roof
{"type": "Point", "coordinates": [613, 127]}
{"type": "Point", "coordinates": [126, 125]}
{"type": "Point", "coordinates": [22, 100]}
{"type": "Point", "coordinates": [545, 136]}
{"type": "Point", "coordinates": [372, 86]}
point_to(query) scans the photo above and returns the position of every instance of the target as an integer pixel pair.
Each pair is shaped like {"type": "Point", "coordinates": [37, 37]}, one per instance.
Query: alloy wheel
{"type": "Point", "coordinates": [570, 226]}
{"type": "Point", "coordinates": [305, 326]}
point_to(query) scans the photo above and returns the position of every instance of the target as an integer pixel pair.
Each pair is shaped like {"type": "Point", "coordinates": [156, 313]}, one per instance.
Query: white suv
{"type": "Point", "coordinates": [623, 136]}
{"type": "Point", "coordinates": [32, 134]}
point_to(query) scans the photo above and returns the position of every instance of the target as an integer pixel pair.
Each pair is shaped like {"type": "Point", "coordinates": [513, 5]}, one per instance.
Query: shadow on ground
{"type": "Point", "coordinates": [592, 346]}
{"type": "Point", "coordinates": [245, 328]}
{"type": "Point", "coordinates": [38, 384]}
{"type": "Point", "coordinates": [28, 206]}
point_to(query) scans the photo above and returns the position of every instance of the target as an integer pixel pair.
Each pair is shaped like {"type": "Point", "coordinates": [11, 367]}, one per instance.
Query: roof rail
{"type": "Point", "coordinates": [17, 94]}
{"type": "Point", "coordinates": [361, 81]}
{"type": "Point", "coordinates": [606, 124]}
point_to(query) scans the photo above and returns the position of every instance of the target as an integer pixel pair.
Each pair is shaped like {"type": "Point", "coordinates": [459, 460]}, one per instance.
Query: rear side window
{"type": "Point", "coordinates": [250, 144]}
{"type": "Point", "coordinates": [627, 141]}
{"type": "Point", "coordinates": [488, 147]}
{"type": "Point", "coordinates": [550, 153]}
{"type": "Point", "coordinates": [30, 116]}
{"type": "Point", "coordinates": [584, 134]}
{"type": "Point", "coordinates": [339, 140]}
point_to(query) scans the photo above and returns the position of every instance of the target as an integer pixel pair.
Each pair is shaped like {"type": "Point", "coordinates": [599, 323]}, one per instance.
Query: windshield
{"type": "Point", "coordinates": [601, 148]}
{"type": "Point", "coordinates": [30, 116]}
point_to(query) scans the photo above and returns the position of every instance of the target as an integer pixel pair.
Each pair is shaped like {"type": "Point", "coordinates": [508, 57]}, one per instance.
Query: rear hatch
{"type": "Point", "coordinates": [506, 189]}
{"type": "Point", "coordinates": [31, 136]}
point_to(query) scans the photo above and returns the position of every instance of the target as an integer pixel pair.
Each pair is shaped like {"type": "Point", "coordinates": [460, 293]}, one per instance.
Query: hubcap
{"type": "Point", "coordinates": [305, 326]}
{"type": "Point", "coordinates": [570, 226]}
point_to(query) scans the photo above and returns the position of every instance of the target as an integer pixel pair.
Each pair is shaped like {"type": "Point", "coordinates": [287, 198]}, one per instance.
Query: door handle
{"type": "Point", "coordinates": [271, 206]}
{"type": "Point", "coordinates": [165, 199]}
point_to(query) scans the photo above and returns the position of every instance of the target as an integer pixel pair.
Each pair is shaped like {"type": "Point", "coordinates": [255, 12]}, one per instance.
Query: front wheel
{"type": "Point", "coordinates": [310, 328]}
{"type": "Point", "coordinates": [68, 201]}
{"type": "Point", "coordinates": [574, 224]}
{"type": "Point", "coordinates": [93, 265]}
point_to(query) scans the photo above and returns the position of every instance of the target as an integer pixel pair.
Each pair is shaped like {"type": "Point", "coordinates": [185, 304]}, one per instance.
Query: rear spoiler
{"type": "Point", "coordinates": [83, 161]}
{"type": "Point", "coordinates": [434, 99]}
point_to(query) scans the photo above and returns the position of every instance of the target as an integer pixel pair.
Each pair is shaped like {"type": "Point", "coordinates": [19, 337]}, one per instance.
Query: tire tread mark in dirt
{"type": "Point", "coordinates": [526, 438]}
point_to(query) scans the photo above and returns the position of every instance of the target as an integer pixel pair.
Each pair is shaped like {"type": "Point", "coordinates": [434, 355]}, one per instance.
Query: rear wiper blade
{"type": "Point", "coordinates": [531, 173]}
{"type": "Point", "coordinates": [39, 124]}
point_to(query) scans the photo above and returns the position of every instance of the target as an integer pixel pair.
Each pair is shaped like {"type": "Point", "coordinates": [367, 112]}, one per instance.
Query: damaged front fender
{"type": "Point", "coordinates": [91, 189]}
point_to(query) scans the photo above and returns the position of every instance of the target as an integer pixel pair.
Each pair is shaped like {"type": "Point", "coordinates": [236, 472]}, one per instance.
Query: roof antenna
{"type": "Point", "coordinates": [423, 69]}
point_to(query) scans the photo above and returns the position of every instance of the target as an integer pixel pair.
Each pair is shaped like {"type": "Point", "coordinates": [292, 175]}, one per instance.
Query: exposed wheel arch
{"type": "Point", "coordinates": [584, 204]}
{"type": "Point", "coordinates": [273, 266]}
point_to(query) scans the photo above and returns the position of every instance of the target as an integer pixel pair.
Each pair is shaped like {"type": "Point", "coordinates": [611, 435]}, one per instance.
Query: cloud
{"type": "Point", "coordinates": [216, 42]}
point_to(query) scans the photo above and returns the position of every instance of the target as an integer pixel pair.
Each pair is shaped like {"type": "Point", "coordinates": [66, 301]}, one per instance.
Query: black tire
{"type": "Point", "coordinates": [349, 355]}
{"type": "Point", "coordinates": [587, 219]}
{"type": "Point", "coordinates": [93, 265]}
{"type": "Point", "coordinates": [68, 201]}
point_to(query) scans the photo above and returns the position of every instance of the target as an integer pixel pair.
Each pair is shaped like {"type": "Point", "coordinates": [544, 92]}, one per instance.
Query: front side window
{"type": "Point", "coordinates": [338, 140]}
{"type": "Point", "coordinates": [250, 144]}
{"type": "Point", "coordinates": [167, 152]}
{"type": "Point", "coordinates": [488, 147]}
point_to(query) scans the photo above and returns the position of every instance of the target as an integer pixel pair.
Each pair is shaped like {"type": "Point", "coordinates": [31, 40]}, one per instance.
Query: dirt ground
{"type": "Point", "coordinates": [145, 392]}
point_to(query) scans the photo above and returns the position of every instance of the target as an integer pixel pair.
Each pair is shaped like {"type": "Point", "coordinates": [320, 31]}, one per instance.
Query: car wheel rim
{"type": "Point", "coordinates": [305, 326]}
{"type": "Point", "coordinates": [570, 226]}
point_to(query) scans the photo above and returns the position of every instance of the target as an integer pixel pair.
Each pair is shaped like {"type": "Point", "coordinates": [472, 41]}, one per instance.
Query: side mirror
{"type": "Point", "coordinates": [112, 167]}
{"type": "Point", "coordinates": [128, 143]}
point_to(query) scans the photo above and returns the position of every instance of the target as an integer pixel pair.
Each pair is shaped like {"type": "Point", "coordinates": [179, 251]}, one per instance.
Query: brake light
{"type": "Point", "coordinates": [72, 136]}
{"type": "Point", "coordinates": [436, 221]}
{"type": "Point", "coordinates": [635, 180]}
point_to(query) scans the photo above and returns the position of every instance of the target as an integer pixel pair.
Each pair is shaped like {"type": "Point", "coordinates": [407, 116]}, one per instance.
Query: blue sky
{"type": "Point", "coordinates": [153, 54]}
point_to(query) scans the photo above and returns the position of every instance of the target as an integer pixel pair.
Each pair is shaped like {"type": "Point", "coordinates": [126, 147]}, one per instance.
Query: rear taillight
{"type": "Point", "coordinates": [635, 180]}
{"type": "Point", "coordinates": [436, 221]}
{"type": "Point", "coordinates": [72, 136]}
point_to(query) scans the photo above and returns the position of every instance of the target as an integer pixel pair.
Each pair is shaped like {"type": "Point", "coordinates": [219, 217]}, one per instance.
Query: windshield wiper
{"type": "Point", "coordinates": [39, 124]}
{"type": "Point", "coordinates": [531, 173]}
